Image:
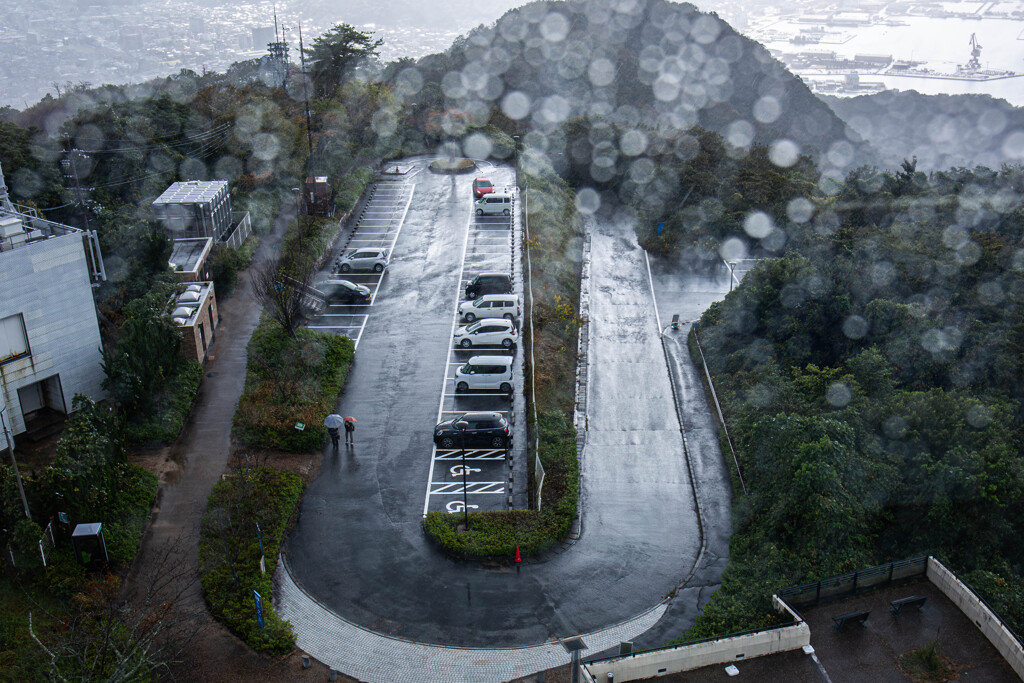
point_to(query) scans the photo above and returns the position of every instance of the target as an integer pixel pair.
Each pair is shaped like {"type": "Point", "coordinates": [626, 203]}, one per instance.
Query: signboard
{"type": "Point", "coordinates": [63, 516]}
{"type": "Point", "coordinates": [259, 608]}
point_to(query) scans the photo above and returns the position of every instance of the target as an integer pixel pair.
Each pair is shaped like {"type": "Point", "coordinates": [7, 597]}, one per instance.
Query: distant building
{"type": "Point", "coordinates": [50, 347]}
{"type": "Point", "coordinates": [195, 25]}
{"type": "Point", "coordinates": [201, 208]}
{"type": "Point", "coordinates": [262, 36]}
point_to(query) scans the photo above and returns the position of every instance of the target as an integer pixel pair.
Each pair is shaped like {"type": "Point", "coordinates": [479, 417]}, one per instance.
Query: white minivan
{"type": "Point", "coordinates": [485, 372]}
{"type": "Point", "coordinates": [493, 204]}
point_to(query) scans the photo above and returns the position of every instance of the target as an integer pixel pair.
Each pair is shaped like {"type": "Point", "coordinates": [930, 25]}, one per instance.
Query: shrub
{"type": "Point", "coordinates": [229, 551]}
{"type": "Point", "coordinates": [290, 381]}
{"type": "Point", "coordinates": [171, 407]}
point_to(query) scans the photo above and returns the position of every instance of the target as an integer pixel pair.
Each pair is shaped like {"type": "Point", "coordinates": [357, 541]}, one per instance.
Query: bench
{"type": "Point", "coordinates": [896, 606]}
{"type": "Point", "coordinates": [838, 622]}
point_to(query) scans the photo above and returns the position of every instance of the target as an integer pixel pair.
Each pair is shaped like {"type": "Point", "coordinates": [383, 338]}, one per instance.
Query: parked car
{"type": "Point", "coordinates": [345, 292]}
{"type": "Point", "coordinates": [485, 372]}
{"type": "Point", "coordinates": [489, 283]}
{"type": "Point", "coordinates": [494, 204]}
{"type": "Point", "coordinates": [364, 259]}
{"type": "Point", "coordinates": [482, 429]}
{"type": "Point", "coordinates": [491, 306]}
{"type": "Point", "coordinates": [482, 186]}
{"type": "Point", "coordinates": [488, 331]}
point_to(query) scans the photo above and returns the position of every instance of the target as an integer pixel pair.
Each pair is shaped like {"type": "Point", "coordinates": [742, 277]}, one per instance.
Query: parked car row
{"type": "Point", "coordinates": [492, 312]}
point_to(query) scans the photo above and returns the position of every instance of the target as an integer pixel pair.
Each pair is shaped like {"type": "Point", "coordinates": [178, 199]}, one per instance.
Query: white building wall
{"type": "Point", "coordinates": [48, 283]}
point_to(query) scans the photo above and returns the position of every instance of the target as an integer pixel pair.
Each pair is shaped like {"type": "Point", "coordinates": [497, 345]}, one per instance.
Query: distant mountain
{"type": "Point", "coordinates": [649, 62]}
{"type": "Point", "coordinates": [942, 131]}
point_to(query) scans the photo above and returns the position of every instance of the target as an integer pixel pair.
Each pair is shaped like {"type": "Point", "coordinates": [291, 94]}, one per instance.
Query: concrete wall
{"type": "Point", "coordinates": [191, 339]}
{"type": "Point", "coordinates": [48, 283]}
{"type": "Point", "coordinates": [687, 657]}
{"type": "Point", "coordinates": [975, 610]}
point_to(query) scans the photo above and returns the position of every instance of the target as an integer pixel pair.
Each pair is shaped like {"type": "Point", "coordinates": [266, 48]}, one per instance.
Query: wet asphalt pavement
{"type": "Point", "coordinates": [358, 546]}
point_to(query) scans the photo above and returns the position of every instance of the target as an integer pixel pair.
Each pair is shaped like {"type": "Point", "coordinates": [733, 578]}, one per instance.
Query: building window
{"type": "Point", "coordinates": [13, 340]}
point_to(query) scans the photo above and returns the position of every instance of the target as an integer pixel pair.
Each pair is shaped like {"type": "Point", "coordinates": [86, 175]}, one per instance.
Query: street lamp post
{"type": "Point", "coordinates": [298, 221]}
{"type": "Point", "coordinates": [515, 144]}
{"type": "Point", "coordinates": [462, 424]}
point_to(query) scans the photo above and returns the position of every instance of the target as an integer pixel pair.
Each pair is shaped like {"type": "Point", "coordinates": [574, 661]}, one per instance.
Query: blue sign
{"type": "Point", "coordinates": [661, 226]}
{"type": "Point", "coordinates": [259, 608]}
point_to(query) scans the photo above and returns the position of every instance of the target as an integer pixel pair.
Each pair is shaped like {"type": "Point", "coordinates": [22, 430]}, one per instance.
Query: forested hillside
{"type": "Point", "coordinates": [872, 378]}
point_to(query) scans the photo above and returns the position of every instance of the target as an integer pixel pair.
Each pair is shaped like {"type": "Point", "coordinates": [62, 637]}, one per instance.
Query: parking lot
{"type": "Point", "coordinates": [491, 244]}
{"type": "Point", "coordinates": [378, 224]}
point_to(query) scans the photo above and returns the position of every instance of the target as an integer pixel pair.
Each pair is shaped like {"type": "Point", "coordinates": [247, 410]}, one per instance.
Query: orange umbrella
{"type": "Point", "coordinates": [349, 418]}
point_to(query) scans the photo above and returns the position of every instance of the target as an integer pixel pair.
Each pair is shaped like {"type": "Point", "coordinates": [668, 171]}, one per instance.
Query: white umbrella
{"type": "Point", "coordinates": [333, 421]}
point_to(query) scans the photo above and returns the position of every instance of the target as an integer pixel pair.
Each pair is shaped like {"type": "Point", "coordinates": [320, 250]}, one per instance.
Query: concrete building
{"type": "Point", "coordinates": [201, 208]}
{"type": "Point", "coordinates": [50, 346]}
{"type": "Point", "coordinates": [189, 259]}
{"type": "Point", "coordinates": [195, 312]}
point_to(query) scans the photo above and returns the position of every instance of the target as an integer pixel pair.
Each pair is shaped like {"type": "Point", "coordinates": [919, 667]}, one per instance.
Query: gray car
{"type": "Point", "coordinates": [364, 259]}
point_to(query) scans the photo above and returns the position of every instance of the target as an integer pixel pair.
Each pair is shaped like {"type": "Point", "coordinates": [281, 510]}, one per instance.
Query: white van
{"type": "Point", "coordinates": [485, 372]}
{"type": "Point", "coordinates": [493, 204]}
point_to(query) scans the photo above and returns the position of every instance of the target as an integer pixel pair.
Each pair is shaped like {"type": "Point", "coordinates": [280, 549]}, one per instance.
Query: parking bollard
{"type": "Point", "coordinates": [305, 661]}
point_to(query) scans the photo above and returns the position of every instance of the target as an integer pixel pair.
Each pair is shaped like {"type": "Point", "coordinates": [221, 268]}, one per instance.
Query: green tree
{"type": "Point", "coordinates": [144, 354]}
{"type": "Point", "coordinates": [335, 53]}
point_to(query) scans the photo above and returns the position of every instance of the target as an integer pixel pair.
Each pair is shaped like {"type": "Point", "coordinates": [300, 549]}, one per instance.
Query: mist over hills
{"type": "Point", "coordinates": [941, 131]}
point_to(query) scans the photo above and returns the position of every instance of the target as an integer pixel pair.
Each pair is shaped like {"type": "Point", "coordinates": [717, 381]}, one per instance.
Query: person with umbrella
{"type": "Point", "coordinates": [333, 422]}
{"type": "Point", "coordinates": [350, 427]}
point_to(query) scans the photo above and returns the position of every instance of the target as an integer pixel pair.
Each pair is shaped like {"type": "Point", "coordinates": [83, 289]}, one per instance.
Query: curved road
{"type": "Point", "coordinates": [358, 548]}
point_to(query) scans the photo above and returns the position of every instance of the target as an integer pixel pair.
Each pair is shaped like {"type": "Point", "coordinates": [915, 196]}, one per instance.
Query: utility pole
{"type": "Point", "coordinates": [9, 439]}
{"type": "Point", "coordinates": [305, 96]}
{"type": "Point", "coordinates": [73, 161]}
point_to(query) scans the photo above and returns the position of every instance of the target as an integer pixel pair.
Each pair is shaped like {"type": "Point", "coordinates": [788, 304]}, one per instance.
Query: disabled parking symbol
{"type": "Point", "coordinates": [457, 470]}
{"type": "Point", "coordinates": [457, 506]}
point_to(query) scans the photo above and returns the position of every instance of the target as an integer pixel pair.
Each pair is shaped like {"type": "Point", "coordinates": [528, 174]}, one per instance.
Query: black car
{"type": "Point", "coordinates": [482, 429]}
{"type": "Point", "coordinates": [345, 292]}
{"type": "Point", "coordinates": [489, 283]}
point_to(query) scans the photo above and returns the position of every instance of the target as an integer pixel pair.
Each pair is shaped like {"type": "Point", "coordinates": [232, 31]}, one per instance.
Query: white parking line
{"type": "Point", "coordinates": [444, 381]}
{"type": "Point", "coordinates": [472, 488]}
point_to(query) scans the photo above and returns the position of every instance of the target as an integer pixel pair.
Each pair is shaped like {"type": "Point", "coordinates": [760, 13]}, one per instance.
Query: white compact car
{"type": "Point", "coordinates": [485, 372]}
{"type": "Point", "coordinates": [491, 306]}
{"type": "Point", "coordinates": [487, 332]}
{"type": "Point", "coordinates": [364, 259]}
{"type": "Point", "coordinates": [493, 204]}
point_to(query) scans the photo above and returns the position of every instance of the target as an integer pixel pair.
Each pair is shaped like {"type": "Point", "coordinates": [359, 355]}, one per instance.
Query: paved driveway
{"type": "Point", "coordinates": [359, 548]}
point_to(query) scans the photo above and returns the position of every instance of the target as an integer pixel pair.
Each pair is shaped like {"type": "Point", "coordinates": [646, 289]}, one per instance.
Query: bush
{"type": "Point", "coordinates": [172, 406]}
{"type": "Point", "coordinates": [289, 381]}
{"type": "Point", "coordinates": [229, 552]}
{"type": "Point", "coordinates": [225, 263]}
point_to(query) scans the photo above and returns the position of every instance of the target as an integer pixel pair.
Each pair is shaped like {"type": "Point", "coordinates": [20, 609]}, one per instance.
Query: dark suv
{"type": "Point", "coordinates": [482, 429]}
{"type": "Point", "coordinates": [488, 283]}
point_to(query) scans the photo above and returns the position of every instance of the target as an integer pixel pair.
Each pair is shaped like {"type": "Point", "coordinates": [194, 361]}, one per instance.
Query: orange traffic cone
{"type": "Point", "coordinates": [519, 558]}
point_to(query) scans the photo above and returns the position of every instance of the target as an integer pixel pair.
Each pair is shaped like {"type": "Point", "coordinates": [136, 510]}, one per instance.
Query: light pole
{"type": "Point", "coordinates": [732, 273]}
{"type": "Point", "coordinates": [515, 144]}
{"type": "Point", "coordinates": [298, 221]}
{"type": "Point", "coordinates": [462, 424]}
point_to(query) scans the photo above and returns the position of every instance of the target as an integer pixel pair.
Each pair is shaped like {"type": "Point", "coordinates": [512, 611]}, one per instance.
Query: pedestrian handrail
{"type": "Point", "coordinates": [718, 407]}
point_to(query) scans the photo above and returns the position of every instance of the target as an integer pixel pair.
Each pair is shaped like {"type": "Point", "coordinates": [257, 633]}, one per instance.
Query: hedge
{"type": "Point", "coordinates": [172, 407]}
{"type": "Point", "coordinates": [229, 552]}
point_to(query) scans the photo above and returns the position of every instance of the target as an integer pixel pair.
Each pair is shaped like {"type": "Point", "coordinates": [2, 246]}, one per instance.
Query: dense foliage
{"type": "Point", "coordinates": [872, 380]}
{"type": "Point", "coordinates": [229, 551]}
{"type": "Point", "coordinates": [290, 381]}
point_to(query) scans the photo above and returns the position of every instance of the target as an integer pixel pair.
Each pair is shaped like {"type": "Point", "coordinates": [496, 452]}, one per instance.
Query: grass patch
{"type": "Point", "coordinates": [172, 407]}
{"type": "Point", "coordinates": [556, 250]}
{"type": "Point", "coordinates": [229, 551]}
{"type": "Point", "coordinates": [290, 381]}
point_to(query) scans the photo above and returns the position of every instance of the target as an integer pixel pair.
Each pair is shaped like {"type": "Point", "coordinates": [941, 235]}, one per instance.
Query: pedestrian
{"type": "Point", "coordinates": [350, 426]}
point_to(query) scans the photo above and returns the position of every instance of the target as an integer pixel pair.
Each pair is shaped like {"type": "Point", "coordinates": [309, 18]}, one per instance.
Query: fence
{"type": "Point", "coordinates": [718, 407]}
{"type": "Point", "coordinates": [732, 648]}
{"type": "Point", "coordinates": [836, 587]}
